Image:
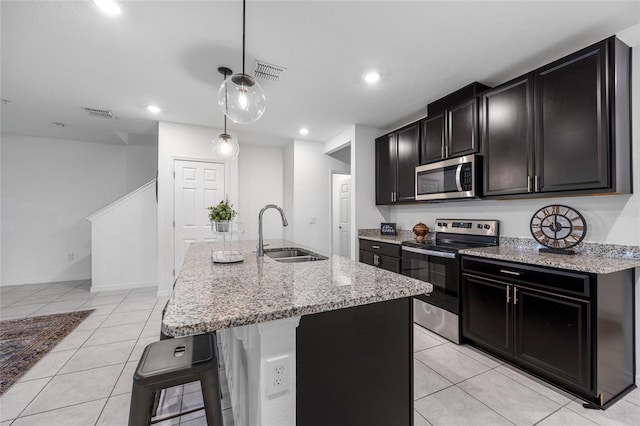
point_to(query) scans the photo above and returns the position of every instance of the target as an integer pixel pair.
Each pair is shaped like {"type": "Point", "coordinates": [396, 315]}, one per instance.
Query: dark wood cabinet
{"type": "Point", "coordinates": [383, 255]}
{"type": "Point", "coordinates": [487, 299]}
{"type": "Point", "coordinates": [559, 325]}
{"type": "Point", "coordinates": [397, 155]}
{"type": "Point", "coordinates": [572, 146]}
{"type": "Point", "coordinates": [432, 147]}
{"type": "Point", "coordinates": [552, 334]}
{"type": "Point", "coordinates": [508, 137]}
{"type": "Point", "coordinates": [386, 167]}
{"type": "Point", "coordinates": [462, 129]}
{"type": "Point", "coordinates": [451, 129]}
{"type": "Point", "coordinates": [562, 128]}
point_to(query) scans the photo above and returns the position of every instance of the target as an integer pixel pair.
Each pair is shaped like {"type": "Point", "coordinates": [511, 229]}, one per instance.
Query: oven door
{"type": "Point", "coordinates": [441, 269]}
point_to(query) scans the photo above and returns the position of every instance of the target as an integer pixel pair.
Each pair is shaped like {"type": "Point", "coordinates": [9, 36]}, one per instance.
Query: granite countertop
{"type": "Point", "coordinates": [393, 239]}
{"type": "Point", "coordinates": [578, 262]}
{"type": "Point", "coordinates": [211, 296]}
{"type": "Point", "coordinates": [402, 235]}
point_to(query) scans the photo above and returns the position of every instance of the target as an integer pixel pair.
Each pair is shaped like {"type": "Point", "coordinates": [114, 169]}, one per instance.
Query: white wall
{"type": "Point", "coordinates": [49, 187]}
{"type": "Point", "coordinates": [186, 142]}
{"type": "Point", "coordinates": [260, 172]}
{"type": "Point", "coordinates": [364, 212]}
{"type": "Point", "coordinates": [310, 187]}
{"type": "Point", "coordinates": [124, 242]}
{"type": "Point", "coordinates": [288, 173]}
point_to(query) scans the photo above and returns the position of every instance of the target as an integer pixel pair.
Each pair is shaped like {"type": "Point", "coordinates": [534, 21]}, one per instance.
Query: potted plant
{"type": "Point", "coordinates": [221, 215]}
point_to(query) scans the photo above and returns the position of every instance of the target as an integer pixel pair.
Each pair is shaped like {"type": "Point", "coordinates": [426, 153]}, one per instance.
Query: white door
{"type": "Point", "coordinates": [341, 215]}
{"type": "Point", "coordinates": [197, 185]}
{"type": "Point", "coordinates": [344, 214]}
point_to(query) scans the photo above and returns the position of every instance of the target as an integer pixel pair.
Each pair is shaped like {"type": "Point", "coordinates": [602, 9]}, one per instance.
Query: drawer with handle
{"type": "Point", "coordinates": [558, 281]}
{"type": "Point", "coordinates": [387, 249]}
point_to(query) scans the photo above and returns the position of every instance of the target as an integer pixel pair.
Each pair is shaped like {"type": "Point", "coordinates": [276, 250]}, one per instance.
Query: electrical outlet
{"type": "Point", "coordinates": [312, 220]}
{"type": "Point", "coordinates": [69, 257]}
{"type": "Point", "coordinates": [277, 375]}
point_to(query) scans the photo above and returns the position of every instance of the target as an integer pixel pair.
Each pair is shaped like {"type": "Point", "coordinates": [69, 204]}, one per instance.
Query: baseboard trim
{"type": "Point", "coordinates": [122, 286]}
{"type": "Point", "coordinates": [46, 280]}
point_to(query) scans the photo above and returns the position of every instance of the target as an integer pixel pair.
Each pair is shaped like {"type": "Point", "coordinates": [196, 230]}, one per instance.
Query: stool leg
{"type": "Point", "coordinates": [210, 384]}
{"type": "Point", "coordinates": [141, 406]}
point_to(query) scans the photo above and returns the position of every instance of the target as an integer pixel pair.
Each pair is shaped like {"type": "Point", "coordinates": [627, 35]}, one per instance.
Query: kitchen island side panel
{"type": "Point", "coordinates": [355, 366]}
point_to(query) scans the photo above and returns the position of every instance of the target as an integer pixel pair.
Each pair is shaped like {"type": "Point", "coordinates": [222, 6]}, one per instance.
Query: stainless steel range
{"type": "Point", "coordinates": [438, 262]}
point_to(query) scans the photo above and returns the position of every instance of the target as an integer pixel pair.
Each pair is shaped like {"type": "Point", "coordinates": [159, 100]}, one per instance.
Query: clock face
{"type": "Point", "coordinates": [557, 226]}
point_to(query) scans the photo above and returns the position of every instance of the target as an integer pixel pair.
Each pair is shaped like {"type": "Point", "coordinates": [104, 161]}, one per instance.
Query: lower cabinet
{"type": "Point", "coordinates": [383, 255]}
{"type": "Point", "coordinates": [568, 328]}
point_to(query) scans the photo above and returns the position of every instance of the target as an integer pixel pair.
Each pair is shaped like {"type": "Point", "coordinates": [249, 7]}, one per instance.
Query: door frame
{"type": "Point", "coordinates": [331, 204]}
{"type": "Point", "coordinates": [227, 177]}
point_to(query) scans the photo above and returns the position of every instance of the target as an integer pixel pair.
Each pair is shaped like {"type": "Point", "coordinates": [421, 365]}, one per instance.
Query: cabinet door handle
{"type": "Point", "coordinates": [446, 151]}
{"type": "Point", "coordinates": [529, 183]}
{"type": "Point", "coordinates": [442, 151]}
{"type": "Point", "coordinates": [504, 271]}
{"type": "Point", "coordinates": [515, 295]}
{"type": "Point", "coordinates": [508, 298]}
{"type": "Point", "coordinates": [376, 260]}
{"type": "Point", "coordinates": [375, 247]}
{"type": "Point", "coordinates": [537, 183]}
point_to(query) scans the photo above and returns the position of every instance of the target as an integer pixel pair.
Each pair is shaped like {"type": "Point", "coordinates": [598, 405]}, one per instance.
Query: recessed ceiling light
{"type": "Point", "coordinates": [372, 77]}
{"type": "Point", "coordinates": [154, 109]}
{"type": "Point", "coordinates": [304, 131]}
{"type": "Point", "coordinates": [109, 7]}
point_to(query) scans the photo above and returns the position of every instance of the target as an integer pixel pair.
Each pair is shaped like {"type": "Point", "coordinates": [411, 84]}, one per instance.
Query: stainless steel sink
{"type": "Point", "coordinates": [293, 255]}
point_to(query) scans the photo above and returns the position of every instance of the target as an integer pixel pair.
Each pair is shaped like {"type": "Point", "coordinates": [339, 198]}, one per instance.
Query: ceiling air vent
{"type": "Point", "coordinates": [265, 71]}
{"type": "Point", "coordinates": [94, 112]}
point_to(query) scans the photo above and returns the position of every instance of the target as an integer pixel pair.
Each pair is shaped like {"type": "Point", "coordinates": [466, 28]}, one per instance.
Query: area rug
{"type": "Point", "coordinates": [23, 342]}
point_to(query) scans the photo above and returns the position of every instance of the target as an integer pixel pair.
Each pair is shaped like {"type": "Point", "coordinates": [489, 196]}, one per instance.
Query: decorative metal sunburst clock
{"type": "Point", "coordinates": [558, 227]}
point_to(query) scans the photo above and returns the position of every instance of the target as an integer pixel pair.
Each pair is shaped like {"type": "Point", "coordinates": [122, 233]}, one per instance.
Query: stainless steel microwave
{"type": "Point", "coordinates": [448, 179]}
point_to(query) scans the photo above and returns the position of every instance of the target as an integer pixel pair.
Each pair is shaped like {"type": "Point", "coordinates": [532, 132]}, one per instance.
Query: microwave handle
{"type": "Point", "coordinates": [458, 175]}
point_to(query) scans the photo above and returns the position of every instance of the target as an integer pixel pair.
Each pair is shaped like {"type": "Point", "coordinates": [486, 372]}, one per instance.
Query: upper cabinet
{"type": "Point", "coordinates": [397, 155]}
{"type": "Point", "coordinates": [564, 127]}
{"type": "Point", "coordinates": [451, 127]}
{"type": "Point", "coordinates": [508, 137]}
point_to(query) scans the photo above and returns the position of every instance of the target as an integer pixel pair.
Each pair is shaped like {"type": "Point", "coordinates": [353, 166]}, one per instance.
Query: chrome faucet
{"type": "Point", "coordinates": [260, 246]}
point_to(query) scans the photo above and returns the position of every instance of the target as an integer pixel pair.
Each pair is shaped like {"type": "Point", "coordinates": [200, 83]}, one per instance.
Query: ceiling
{"type": "Point", "coordinates": [60, 56]}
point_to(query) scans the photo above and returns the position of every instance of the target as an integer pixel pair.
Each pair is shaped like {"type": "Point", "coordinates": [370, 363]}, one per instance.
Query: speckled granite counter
{"type": "Point", "coordinates": [218, 296]}
{"type": "Point", "coordinates": [578, 262]}
{"type": "Point", "coordinates": [403, 235]}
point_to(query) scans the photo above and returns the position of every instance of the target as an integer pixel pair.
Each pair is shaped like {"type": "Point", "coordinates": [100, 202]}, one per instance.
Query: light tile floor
{"type": "Point", "coordinates": [86, 379]}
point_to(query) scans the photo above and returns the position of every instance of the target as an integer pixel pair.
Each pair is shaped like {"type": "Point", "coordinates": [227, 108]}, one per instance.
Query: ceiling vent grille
{"type": "Point", "coordinates": [104, 113]}
{"type": "Point", "coordinates": [265, 71]}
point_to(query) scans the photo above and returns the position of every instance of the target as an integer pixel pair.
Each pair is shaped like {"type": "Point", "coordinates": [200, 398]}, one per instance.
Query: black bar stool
{"type": "Point", "coordinates": [174, 362]}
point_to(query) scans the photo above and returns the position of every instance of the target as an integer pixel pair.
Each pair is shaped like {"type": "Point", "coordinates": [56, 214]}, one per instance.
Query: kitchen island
{"type": "Point", "coordinates": [323, 342]}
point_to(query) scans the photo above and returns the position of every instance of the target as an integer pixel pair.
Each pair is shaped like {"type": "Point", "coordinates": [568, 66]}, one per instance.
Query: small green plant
{"type": "Point", "coordinates": [222, 211]}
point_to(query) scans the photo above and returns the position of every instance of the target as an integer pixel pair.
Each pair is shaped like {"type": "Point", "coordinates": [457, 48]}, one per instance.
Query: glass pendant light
{"type": "Point", "coordinates": [225, 146]}
{"type": "Point", "coordinates": [241, 98]}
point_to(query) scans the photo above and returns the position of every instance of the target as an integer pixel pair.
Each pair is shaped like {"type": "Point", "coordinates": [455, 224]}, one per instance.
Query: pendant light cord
{"type": "Point", "coordinates": [244, 8]}
{"type": "Point", "coordinates": [226, 103]}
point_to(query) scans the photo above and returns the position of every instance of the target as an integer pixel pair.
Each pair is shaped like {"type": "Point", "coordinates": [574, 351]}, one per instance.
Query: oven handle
{"type": "Point", "coordinates": [458, 177]}
{"type": "Point", "coordinates": [434, 253]}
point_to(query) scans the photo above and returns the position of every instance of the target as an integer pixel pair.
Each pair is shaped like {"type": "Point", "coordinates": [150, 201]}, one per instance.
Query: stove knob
{"type": "Point", "coordinates": [479, 226]}
{"type": "Point", "coordinates": [487, 226]}
{"type": "Point", "coordinates": [444, 224]}
{"type": "Point", "coordinates": [439, 224]}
